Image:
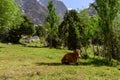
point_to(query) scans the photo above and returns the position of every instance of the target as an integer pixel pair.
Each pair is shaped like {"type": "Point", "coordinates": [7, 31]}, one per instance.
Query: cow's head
{"type": "Point", "coordinates": [78, 52]}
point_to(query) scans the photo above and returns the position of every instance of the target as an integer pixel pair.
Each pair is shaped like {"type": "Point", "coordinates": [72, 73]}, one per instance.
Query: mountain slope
{"type": "Point", "coordinates": [37, 9]}
{"type": "Point", "coordinates": [59, 5]}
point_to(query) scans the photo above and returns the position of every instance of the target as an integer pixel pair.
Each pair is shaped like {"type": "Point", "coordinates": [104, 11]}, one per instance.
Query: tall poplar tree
{"type": "Point", "coordinates": [52, 24]}
{"type": "Point", "coordinates": [107, 11]}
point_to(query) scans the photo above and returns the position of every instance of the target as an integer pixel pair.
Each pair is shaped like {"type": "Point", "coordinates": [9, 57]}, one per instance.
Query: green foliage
{"type": "Point", "coordinates": [95, 30]}
{"type": "Point", "coordinates": [107, 11]}
{"type": "Point", "coordinates": [92, 30]}
{"type": "Point", "coordinates": [72, 30]}
{"type": "Point", "coordinates": [13, 36]}
{"type": "Point", "coordinates": [40, 31]}
{"type": "Point", "coordinates": [52, 17]}
{"type": "Point", "coordinates": [116, 33]}
{"type": "Point", "coordinates": [52, 22]}
{"type": "Point", "coordinates": [10, 14]}
{"type": "Point", "coordinates": [88, 31]}
{"type": "Point", "coordinates": [27, 27]}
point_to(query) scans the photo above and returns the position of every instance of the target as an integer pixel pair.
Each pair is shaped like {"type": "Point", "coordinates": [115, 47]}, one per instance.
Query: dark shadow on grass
{"type": "Point", "coordinates": [54, 64]}
{"type": "Point", "coordinates": [2, 47]}
{"type": "Point", "coordinates": [49, 64]}
{"type": "Point", "coordinates": [31, 46]}
{"type": "Point", "coordinates": [34, 46]}
{"type": "Point", "coordinates": [97, 62]}
{"type": "Point", "coordinates": [86, 62]}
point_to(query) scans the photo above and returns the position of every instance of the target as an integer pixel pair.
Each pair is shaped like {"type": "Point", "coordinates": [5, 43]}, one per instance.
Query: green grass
{"type": "Point", "coordinates": [27, 63]}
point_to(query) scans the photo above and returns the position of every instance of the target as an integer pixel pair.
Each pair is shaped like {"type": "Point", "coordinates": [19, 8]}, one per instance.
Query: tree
{"type": "Point", "coordinates": [26, 28]}
{"type": "Point", "coordinates": [72, 30]}
{"type": "Point", "coordinates": [107, 11]}
{"type": "Point", "coordinates": [52, 25]}
{"type": "Point", "coordinates": [116, 33]}
{"type": "Point", "coordinates": [40, 30]}
{"type": "Point", "coordinates": [10, 14]}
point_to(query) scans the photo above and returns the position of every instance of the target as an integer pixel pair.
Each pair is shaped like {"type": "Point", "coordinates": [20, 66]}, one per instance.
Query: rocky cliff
{"type": "Point", "coordinates": [37, 9]}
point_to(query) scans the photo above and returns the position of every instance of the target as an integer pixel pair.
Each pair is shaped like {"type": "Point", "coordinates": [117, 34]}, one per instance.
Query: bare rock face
{"type": "Point", "coordinates": [59, 5]}
{"type": "Point", "coordinates": [36, 10]}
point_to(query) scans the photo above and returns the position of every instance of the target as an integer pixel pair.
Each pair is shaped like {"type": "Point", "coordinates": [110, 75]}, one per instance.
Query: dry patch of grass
{"type": "Point", "coordinates": [26, 63]}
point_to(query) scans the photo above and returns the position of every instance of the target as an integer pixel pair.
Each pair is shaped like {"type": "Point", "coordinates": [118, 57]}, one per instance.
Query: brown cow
{"type": "Point", "coordinates": [72, 58]}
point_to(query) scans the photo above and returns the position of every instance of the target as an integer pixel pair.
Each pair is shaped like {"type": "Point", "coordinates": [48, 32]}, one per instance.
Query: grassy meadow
{"type": "Point", "coordinates": [28, 63]}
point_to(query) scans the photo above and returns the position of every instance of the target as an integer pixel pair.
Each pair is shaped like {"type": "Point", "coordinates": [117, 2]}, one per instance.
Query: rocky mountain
{"type": "Point", "coordinates": [37, 9]}
{"type": "Point", "coordinates": [92, 10]}
{"type": "Point", "coordinates": [59, 5]}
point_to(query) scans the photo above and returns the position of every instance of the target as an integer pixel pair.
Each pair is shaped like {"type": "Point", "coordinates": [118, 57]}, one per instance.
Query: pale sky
{"type": "Point", "coordinates": [77, 4]}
